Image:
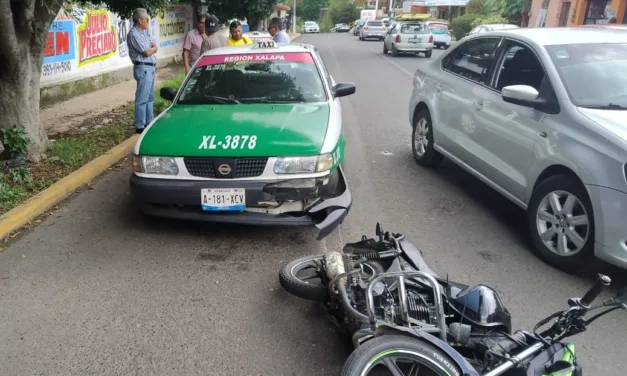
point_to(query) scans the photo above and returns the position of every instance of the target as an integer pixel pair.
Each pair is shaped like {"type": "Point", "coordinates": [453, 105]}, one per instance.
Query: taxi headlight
{"type": "Point", "coordinates": [300, 165]}
{"type": "Point", "coordinates": [155, 165]}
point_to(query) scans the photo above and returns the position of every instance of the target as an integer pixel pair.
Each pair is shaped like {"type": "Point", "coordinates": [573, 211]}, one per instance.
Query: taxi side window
{"type": "Point", "coordinates": [324, 71]}
{"type": "Point", "coordinates": [472, 59]}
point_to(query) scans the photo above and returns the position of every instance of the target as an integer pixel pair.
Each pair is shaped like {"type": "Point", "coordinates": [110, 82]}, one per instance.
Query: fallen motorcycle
{"type": "Point", "coordinates": [403, 318]}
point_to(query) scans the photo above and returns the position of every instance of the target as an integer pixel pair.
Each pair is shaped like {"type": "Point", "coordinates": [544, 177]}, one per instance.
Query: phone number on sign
{"type": "Point", "coordinates": [229, 142]}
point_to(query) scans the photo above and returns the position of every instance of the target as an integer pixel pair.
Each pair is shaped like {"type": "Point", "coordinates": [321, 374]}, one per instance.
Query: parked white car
{"type": "Point", "coordinates": [408, 37]}
{"type": "Point", "coordinates": [310, 27]}
{"type": "Point", "coordinates": [539, 115]}
{"type": "Point", "coordinates": [441, 34]}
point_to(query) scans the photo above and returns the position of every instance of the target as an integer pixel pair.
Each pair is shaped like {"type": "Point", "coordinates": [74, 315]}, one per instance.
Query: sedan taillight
{"type": "Point", "coordinates": [398, 39]}
{"type": "Point", "coordinates": [365, 27]}
{"type": "Point", "coordinates": [430, 38]}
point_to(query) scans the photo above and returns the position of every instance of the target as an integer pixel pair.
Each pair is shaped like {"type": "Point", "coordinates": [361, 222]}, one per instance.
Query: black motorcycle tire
{"type": "Point", "coordinates": [316, 292]}
{"type": "Point", "coordinates": [425, 355]}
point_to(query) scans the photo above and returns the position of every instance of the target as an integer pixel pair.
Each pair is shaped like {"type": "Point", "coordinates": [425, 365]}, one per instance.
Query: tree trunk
{"type": "Point", "coordinates": [23, 34]}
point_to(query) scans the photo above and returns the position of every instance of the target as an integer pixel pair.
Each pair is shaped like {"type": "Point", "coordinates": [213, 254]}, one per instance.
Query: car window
{"type": "Point", "coordinates": [519, 66]}
{"type": "Point", "coordinates": [593, 74]}
{"type": "Point", "coordinates": [472, 59]}
{"type": "Point", "coordinates": [254, 78]}
{"type": "Point", "coordinates": [438, 28]}
{"type": "Point", "coordinates": [374, 23]}
{"type": "Point", "coordinates": [414, 28]}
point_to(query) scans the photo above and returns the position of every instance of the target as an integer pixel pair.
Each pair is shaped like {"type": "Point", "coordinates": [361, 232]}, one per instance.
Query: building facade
{"type": "Point", "coordinates": [550, 13]}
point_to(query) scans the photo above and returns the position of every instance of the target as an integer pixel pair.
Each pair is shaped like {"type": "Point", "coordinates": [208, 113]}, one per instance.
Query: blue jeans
{"type": "Point", "coordinates": [144, 95]}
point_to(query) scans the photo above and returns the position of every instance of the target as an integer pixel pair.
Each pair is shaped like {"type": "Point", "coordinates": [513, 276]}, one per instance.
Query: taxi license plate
{"type": "Point", "coordinates": [223, 199]}
{"type": "Point", "coordinates": [414, 40]}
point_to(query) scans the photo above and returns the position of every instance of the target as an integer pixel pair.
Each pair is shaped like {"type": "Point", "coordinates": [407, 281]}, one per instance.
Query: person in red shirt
{"type": "Point", "coordinates": [193, 42]}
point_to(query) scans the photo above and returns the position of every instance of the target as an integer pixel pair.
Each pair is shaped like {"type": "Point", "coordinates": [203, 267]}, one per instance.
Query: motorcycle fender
{"type": "Point", "coordinates": [464, 366]}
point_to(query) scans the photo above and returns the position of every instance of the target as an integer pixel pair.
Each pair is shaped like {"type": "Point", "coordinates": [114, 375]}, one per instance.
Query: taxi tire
{"type": "Point", "coordinates": [394, 51]}
{"type": "Point", "coordinates": [431, 157]}
{"type": "Point", "coordinates": [428, 53]}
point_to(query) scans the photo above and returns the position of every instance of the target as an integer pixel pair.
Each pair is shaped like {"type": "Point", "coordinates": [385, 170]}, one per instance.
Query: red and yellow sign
{"type": "Point", "coordinates": [97, 38]}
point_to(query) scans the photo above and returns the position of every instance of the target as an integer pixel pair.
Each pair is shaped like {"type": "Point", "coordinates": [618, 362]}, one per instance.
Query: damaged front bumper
{"type": "Point", "coordinates": [180, 199]}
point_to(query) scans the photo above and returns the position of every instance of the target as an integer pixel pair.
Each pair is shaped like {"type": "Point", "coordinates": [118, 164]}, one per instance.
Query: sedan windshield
{"type": "Point", "coordinates": [593, 74]}
{"type": "Point", "coordinates": [254, 78]}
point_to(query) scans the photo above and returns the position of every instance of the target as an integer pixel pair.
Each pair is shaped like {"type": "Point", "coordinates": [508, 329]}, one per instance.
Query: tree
{"type": "Point", "coordinates": [252, 10]}
{"type": "Point", "coordinates": [340, 11]}
{"type": "Point", "coordinates": [309, 10]}
{"type": "Point", "coordinates": [23, 35]}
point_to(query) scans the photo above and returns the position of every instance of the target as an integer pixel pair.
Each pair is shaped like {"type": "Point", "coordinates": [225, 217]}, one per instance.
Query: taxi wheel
{"type": "Point", "coordinates": [394, 51]}
{"type": "Point", "coordinates": [422, 141]}
{"type": "Point", "coordinates": [428, 53]}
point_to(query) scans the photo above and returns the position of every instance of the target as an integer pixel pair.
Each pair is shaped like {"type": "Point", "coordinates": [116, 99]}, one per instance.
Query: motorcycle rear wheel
{"type": "Point", "coordinates": [317, 290]}
{"type": "Point", "coordinates": [407, 356]}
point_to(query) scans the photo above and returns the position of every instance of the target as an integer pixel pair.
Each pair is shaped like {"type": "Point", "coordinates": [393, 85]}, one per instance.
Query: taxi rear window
{"type": "Point", "coordinates": [438, 28]}
{"type": "Point", "coordinates": [414, 28]}
{"type": "Point", "coordinates": [290, 77]}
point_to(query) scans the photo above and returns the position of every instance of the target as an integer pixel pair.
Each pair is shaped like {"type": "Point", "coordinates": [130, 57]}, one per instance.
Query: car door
{"type": "Point", "coordinates": [389, 37]}
{"type": "Point", "coordinates": [463, 70]}
{"type": "Point", "coordinates": [506, 132]}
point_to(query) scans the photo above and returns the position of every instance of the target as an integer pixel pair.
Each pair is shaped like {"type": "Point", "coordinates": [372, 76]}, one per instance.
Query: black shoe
{"type": "Point", "coordinates": [139, 130]}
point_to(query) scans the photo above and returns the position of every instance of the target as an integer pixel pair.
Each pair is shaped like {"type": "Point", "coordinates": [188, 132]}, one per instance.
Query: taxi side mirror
{"type": "Point", "coordinates": [167, 93]}
{"type": "Point", "coordinates": [343, 89]}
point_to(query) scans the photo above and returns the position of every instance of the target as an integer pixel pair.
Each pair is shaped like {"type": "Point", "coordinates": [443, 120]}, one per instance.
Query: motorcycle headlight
{"type": "Point", "coordinates": [155, 165]}
{"type": "Point", "coordinates": [301, 165]}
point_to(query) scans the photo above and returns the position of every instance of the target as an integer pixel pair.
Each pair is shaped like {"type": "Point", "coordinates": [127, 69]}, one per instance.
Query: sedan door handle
{"type": "Point", "coordinates": [478, 105]}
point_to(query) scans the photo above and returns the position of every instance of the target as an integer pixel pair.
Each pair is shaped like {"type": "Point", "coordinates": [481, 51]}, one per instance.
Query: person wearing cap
{"type": "Point", "coordinates": [275, 28]}
{"type": "Point", "coordinates": [236, 38]}
{"type": "Point", "coordinates": [214, 38]}
{"type": "Point", "coordinates": [193, 42]}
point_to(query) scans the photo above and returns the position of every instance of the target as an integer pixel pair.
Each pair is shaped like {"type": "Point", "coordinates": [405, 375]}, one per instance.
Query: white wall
{"type": "Point", "coordinates": [83, 43]}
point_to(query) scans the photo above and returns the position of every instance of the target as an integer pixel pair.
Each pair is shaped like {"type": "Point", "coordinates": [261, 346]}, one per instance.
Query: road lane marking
{"type": "Point", "coordinates": [393, 63]}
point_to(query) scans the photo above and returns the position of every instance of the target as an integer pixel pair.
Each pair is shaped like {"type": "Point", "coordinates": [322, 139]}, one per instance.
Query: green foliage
{"type": "Point", "coordinates": [512, 10]}
{"type": "Point", "coordinates": [489, 20]}
{"type": "Point", "coordinates": [309, 10]}
{"type": "Point", "coordinates": [339, 11]}
{"type": "Point", "coordinates": [161, 104]}
{"type": "Point", "coordinates": [125, 8]}
{"type": "Point", "coordinates": [251, 9]}
{"type": "Point", "coordinates": [15, 139]}
{"type": "Point", "coordinates": [477, 7]}
{"type": "Point", "coordinates": [463, 24]}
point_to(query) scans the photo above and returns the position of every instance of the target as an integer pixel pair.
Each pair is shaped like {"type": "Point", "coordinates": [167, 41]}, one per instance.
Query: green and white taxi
{"type": "Point", "coordinates": [253, 136]}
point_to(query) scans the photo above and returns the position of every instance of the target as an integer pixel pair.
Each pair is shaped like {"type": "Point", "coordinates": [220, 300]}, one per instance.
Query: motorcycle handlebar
{"type": "Point", "coordinates": [602, 282]}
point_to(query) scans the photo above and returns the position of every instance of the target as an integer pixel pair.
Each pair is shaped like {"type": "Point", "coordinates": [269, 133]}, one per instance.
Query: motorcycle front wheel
{"type": "Point", "coordinates": [398, 355]}
{"type": "Point", "coordinates": [305, 278]}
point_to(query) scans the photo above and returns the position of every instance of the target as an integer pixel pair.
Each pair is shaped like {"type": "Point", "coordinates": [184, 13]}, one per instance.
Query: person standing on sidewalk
{"type": "Point", "coordinates": [141, 51]}
{"type": "Point", "coordinates": [193, 42]}
{"type": "Point", "coordinates": [214, 39]}
{"type": "Point", "coordinates": [275, 28]}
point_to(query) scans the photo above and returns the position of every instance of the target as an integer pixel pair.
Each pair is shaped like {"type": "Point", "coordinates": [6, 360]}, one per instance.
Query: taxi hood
{"type": "Point", "coordinates": [206, 130]}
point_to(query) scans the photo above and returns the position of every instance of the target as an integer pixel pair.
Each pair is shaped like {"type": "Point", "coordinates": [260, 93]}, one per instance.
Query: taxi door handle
{"type": "Point", "coordinates": [478, 105]}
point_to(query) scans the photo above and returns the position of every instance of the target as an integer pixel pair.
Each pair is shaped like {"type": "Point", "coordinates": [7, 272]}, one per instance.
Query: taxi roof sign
{"type": "Point", "coordinates": [266, 44]}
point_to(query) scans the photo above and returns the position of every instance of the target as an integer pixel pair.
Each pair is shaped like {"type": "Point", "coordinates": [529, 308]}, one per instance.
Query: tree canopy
{"type": "Point", "coordinates": [309, 10]}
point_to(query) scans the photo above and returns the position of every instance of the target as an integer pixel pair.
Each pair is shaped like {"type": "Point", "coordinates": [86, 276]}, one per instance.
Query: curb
{"type": "Point", "coordinates": [46, 199]}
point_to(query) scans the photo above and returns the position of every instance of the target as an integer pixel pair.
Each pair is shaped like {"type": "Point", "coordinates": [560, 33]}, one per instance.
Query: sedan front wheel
{"type": "Point", "coordinates": [561, 222]}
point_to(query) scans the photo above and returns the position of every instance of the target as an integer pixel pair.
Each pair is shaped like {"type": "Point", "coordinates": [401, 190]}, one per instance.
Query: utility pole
{"type": "Point", "coordinates": [294, 18]}
{"type": "Point", "coordinates": [376, 9]}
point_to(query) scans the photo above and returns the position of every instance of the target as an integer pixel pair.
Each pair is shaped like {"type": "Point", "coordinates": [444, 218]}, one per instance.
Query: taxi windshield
{"type": "Point", "coordinates": [254, 78]}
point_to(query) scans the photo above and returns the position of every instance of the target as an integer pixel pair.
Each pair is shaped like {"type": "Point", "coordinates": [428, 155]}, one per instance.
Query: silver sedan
{"type": "Point", "coordinates": [540, 115]}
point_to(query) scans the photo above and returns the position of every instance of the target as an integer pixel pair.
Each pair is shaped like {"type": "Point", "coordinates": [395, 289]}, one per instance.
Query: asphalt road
{"type": "Point", "coordinates": [97, 289]}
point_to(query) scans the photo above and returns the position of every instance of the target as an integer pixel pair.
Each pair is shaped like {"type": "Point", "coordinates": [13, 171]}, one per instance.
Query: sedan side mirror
{"type": "Point", "coordinates": [167, 93]}
{"type": "Point", "coordinates": [523, 95]}
{"type": "Point", "coordinates": [343, 89]}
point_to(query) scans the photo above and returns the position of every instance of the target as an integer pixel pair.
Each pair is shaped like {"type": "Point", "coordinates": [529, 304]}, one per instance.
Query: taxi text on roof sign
{"type": "Point", "coordinates": [265, 44]}
{"type": "Point", "coordinates": [292, 57]}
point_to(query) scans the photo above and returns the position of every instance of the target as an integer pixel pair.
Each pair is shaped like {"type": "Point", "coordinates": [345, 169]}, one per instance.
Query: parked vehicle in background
{"type": "Point", "coordinates": [340, 28]}
{"type": "Point", "coordinates": [357, 26]}
{"type": "Point", "coordinates": [409, 37]}
{"type": "Point", "coordinates": [373, 30]}
{"type": "Point", "coordinates": [256, 36]}
{"type": "Point", "coordinates": [441, 34]}
{"type": "Point", "coordinates": [538, 114]}
{"type": "Point", "coordinates": [491, 27]}
{"type": "Point", "coordinates": [311, 27]}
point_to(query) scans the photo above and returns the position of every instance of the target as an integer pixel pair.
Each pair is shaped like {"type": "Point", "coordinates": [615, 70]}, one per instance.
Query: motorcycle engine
{"type": "Point", "coordinates": [419, 307]}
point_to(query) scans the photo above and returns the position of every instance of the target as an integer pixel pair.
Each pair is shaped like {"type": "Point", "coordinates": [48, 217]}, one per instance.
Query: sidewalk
{"type": "Point", "coordinates": [64, 116]}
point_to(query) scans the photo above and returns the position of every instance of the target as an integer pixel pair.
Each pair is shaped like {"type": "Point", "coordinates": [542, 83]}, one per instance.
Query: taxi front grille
{"type": "Point", "coordinates": [243, 167]}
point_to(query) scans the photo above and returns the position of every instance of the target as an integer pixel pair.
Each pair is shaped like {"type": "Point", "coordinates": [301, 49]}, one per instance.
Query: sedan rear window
{"type": "Point", "coordinates": [375, 23]}
{"type": "Point", "coordinates": [416, 28]}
